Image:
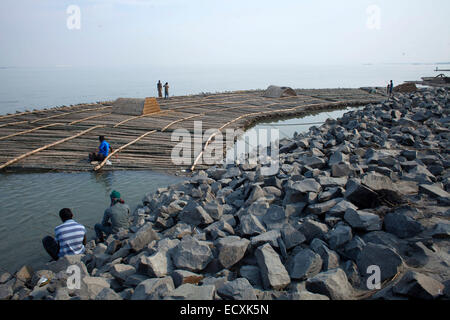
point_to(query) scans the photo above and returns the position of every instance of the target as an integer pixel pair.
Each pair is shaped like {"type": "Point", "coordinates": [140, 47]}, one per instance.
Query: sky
{"type": "Point", "coordinates": [222, 32]}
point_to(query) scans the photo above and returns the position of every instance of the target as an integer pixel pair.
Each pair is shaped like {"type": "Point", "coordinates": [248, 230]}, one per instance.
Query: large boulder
{"type": "Point", "coordinates": [231, 250]}
{"type": "Point", "coordinates": [189, 291]}
{"type": "Point", "coordinates": [418, 286]}
{"type": "Point", "coordinates": [384, 257]}
{"type": "Point", "coordinates": [143, 237]}
{"type": "Point", "coordinates": [333, 284]}
{"type": "Point", "coordinates": [402, 225]}
{"type": "Point", "coordinates": [153, 289]}
{"type": "Point", "coordinates": [195, 215]}
{"type": "Point", "coordinates": [239, 289]}
{"type": "Point", "coordinates": [362, 220]}
{"type": "Point", "coordinates": [273, 272]}
{"type": "Point", "coordinates": [192, 255]}
{"type": "Point", "coordinates": [305, 264]}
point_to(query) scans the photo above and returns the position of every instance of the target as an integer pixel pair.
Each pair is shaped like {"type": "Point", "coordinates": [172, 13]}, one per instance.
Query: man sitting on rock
{"type": "Point", "coordinates": [70, 237]}
{"type": "Point", "coordinates": [115, 217]}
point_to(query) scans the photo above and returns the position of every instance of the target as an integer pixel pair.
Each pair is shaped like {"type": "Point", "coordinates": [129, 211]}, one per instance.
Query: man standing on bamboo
{"type": "Point", "coordinates": [117, 216]}
{"type": "Point", "coordinates": [159, 86]}
{"type": "Point", "coordinates": [166, 91]}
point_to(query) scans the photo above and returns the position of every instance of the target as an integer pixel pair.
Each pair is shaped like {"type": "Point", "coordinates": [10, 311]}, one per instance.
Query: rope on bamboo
{"type": "Point", "coordinates": [89, 118]}
{"type": "Point", "coordinates": [101, 165]}
{"type": "Point", "coordinates": [31, 130]}
{"type": "Point", "coordinates": [48, 146]}
{"type": "Point", "coordinates": [12, 123]}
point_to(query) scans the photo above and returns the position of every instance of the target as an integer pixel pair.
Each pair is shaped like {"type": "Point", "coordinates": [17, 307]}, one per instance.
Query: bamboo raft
{"type": "Point", "coordinates": [60, 139]}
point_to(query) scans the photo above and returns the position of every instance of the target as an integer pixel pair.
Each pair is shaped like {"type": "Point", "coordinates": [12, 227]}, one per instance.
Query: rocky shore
{"type": "Point", "coordinates": [369, 190]}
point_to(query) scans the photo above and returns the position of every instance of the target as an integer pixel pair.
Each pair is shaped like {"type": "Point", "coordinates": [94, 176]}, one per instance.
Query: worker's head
{"type": "Point", "coordinates": [115, 195]}
{"type": "Point", "coordinates": [101, 138]}
{"type": "Point", "coordinates": [65, 214]}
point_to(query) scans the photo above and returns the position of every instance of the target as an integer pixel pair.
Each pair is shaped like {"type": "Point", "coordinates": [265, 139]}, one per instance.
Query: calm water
{"type": "Point", "coordinates": [34, 88]}
{"type": "Point", "coordinates": [30, 204]}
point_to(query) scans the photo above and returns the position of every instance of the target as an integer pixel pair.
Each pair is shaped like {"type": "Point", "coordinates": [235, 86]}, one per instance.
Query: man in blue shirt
{"type": "Point", "coordinates": [103, 150]}
{"type": "Point", "coordinates": [70, 237]}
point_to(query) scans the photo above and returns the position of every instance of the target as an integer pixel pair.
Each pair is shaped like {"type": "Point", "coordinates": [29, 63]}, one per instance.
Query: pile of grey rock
{"type": "Point", "coordinates": [369, 189]}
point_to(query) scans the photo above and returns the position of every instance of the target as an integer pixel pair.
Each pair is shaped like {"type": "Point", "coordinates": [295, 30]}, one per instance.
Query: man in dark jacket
{"type": "Point", "coordinates": [117, 216]}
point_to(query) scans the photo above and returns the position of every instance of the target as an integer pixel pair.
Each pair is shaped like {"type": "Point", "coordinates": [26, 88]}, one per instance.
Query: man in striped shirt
{"type": "Point", "coordinates": [70, 237]}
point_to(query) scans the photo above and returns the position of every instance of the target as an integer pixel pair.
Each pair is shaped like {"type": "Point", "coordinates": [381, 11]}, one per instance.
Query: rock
{"type": "Point", "coordinates": [330, 259]}
{"type": "Point", "coordinates": [333, 284]}
{"type": "Point", "coordinates": [270, 237]}
{"type": "Point", "coordinates": [295, 209]}
{"type": "Point", "coordinates": [122, 271]}
{"type": "Point", "coordinates": [341, 207]}
{"type": "Point", "coordinates": [250, 226]}
{"type": "Point", "coordinates": [239, 289]}
{"type": "Point", "coordinates": [192, 292]}
{"type": "Point", "coordinates": [256, 194]}
{"type": "Point", "coordinates": [5, 277]}
{"type": "Point", "coordinates": [434, 190]}
{"type": "Point", "coordinates": [342, 170]}
{"type": "Point", "coordinates": [308, 296]}
{"type": "Point", "coordinates": [108, 294]}
{"type": "Point", "coordinates": [304, 265]}
{"type": "Point", "coordinates": [351, 270]}
{"type": "Point", "coordinates": [353, 248]}
{"type": "Point", "coordinates": [360, 195]}
{"type": "Point", "coordinates": [231, 250]}
{"type": "Point", "coordinates": [307, 185]}
{"type": "Point", "coordinates": [275, 217]}
{"type": "Point", "coordinates": [181, 277]}
{"type": "Point", "coordinates": [385, 258]}
{"type": "Point", "coordinates": [327, 182]}
{"type": "Point", "coordinates": [273, 272]}
{"type": "Point", "coordinates": [214, 210]}
{"type": "Point", "coordinates": [192, 255]}
{"type": "Point", "coordinates": [339, 236]}
{"type": "Point", "coordinates": [6, 290]}
{"type": "Point", "coordinates": [143, 237]}
{"type": "Point", "coordinates": [157, 265]}
{"type": "Point", "coordinates": [441, 231]}
{"type": "Point", "coordinates": [362, 220]}
{"type": "Point", "coordinates": [252, 274]}
{"type": "Point", "coordinates": [24, 274]}
{"type": "Point", "coordinates": [321, 208]}
{"type": "Point", "coordinates": [402, 225]}
{"type": "Point", "coordinates": [312, 229]}
{"type": "Point", "coordinates": [153, 289]}
{"type": "Point", "coordinates": [291, 236]}
{"type": "Point", "coordinates": [418, 286]}
{"type": "Point", "coordinates": [195, 215]}
{"type": "Point", "coordinates": [94, 285]}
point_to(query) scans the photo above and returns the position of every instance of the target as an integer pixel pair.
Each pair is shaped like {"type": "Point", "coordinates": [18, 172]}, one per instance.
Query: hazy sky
{"type": "Point", "coordinates": [175, 32]}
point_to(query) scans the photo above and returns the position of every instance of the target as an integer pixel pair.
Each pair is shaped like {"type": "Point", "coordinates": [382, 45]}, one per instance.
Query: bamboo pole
{"type": "Point", "coordinates": [98, 167]}
{"type": "Point", "coordinates": [89, 118]}
{"type": "Point", "coordinates": [48, 146]}
{"type": "Point", "coordinates": [31, 130]}
{"type": "Point", "coordinates": [12, 123]}
{"type": "Point", "coordinates": [72, 112]}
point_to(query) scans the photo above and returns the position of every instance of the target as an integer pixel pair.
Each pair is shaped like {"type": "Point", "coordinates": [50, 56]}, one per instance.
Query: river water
{"type": "Point", "coordinates": [30, 204]}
